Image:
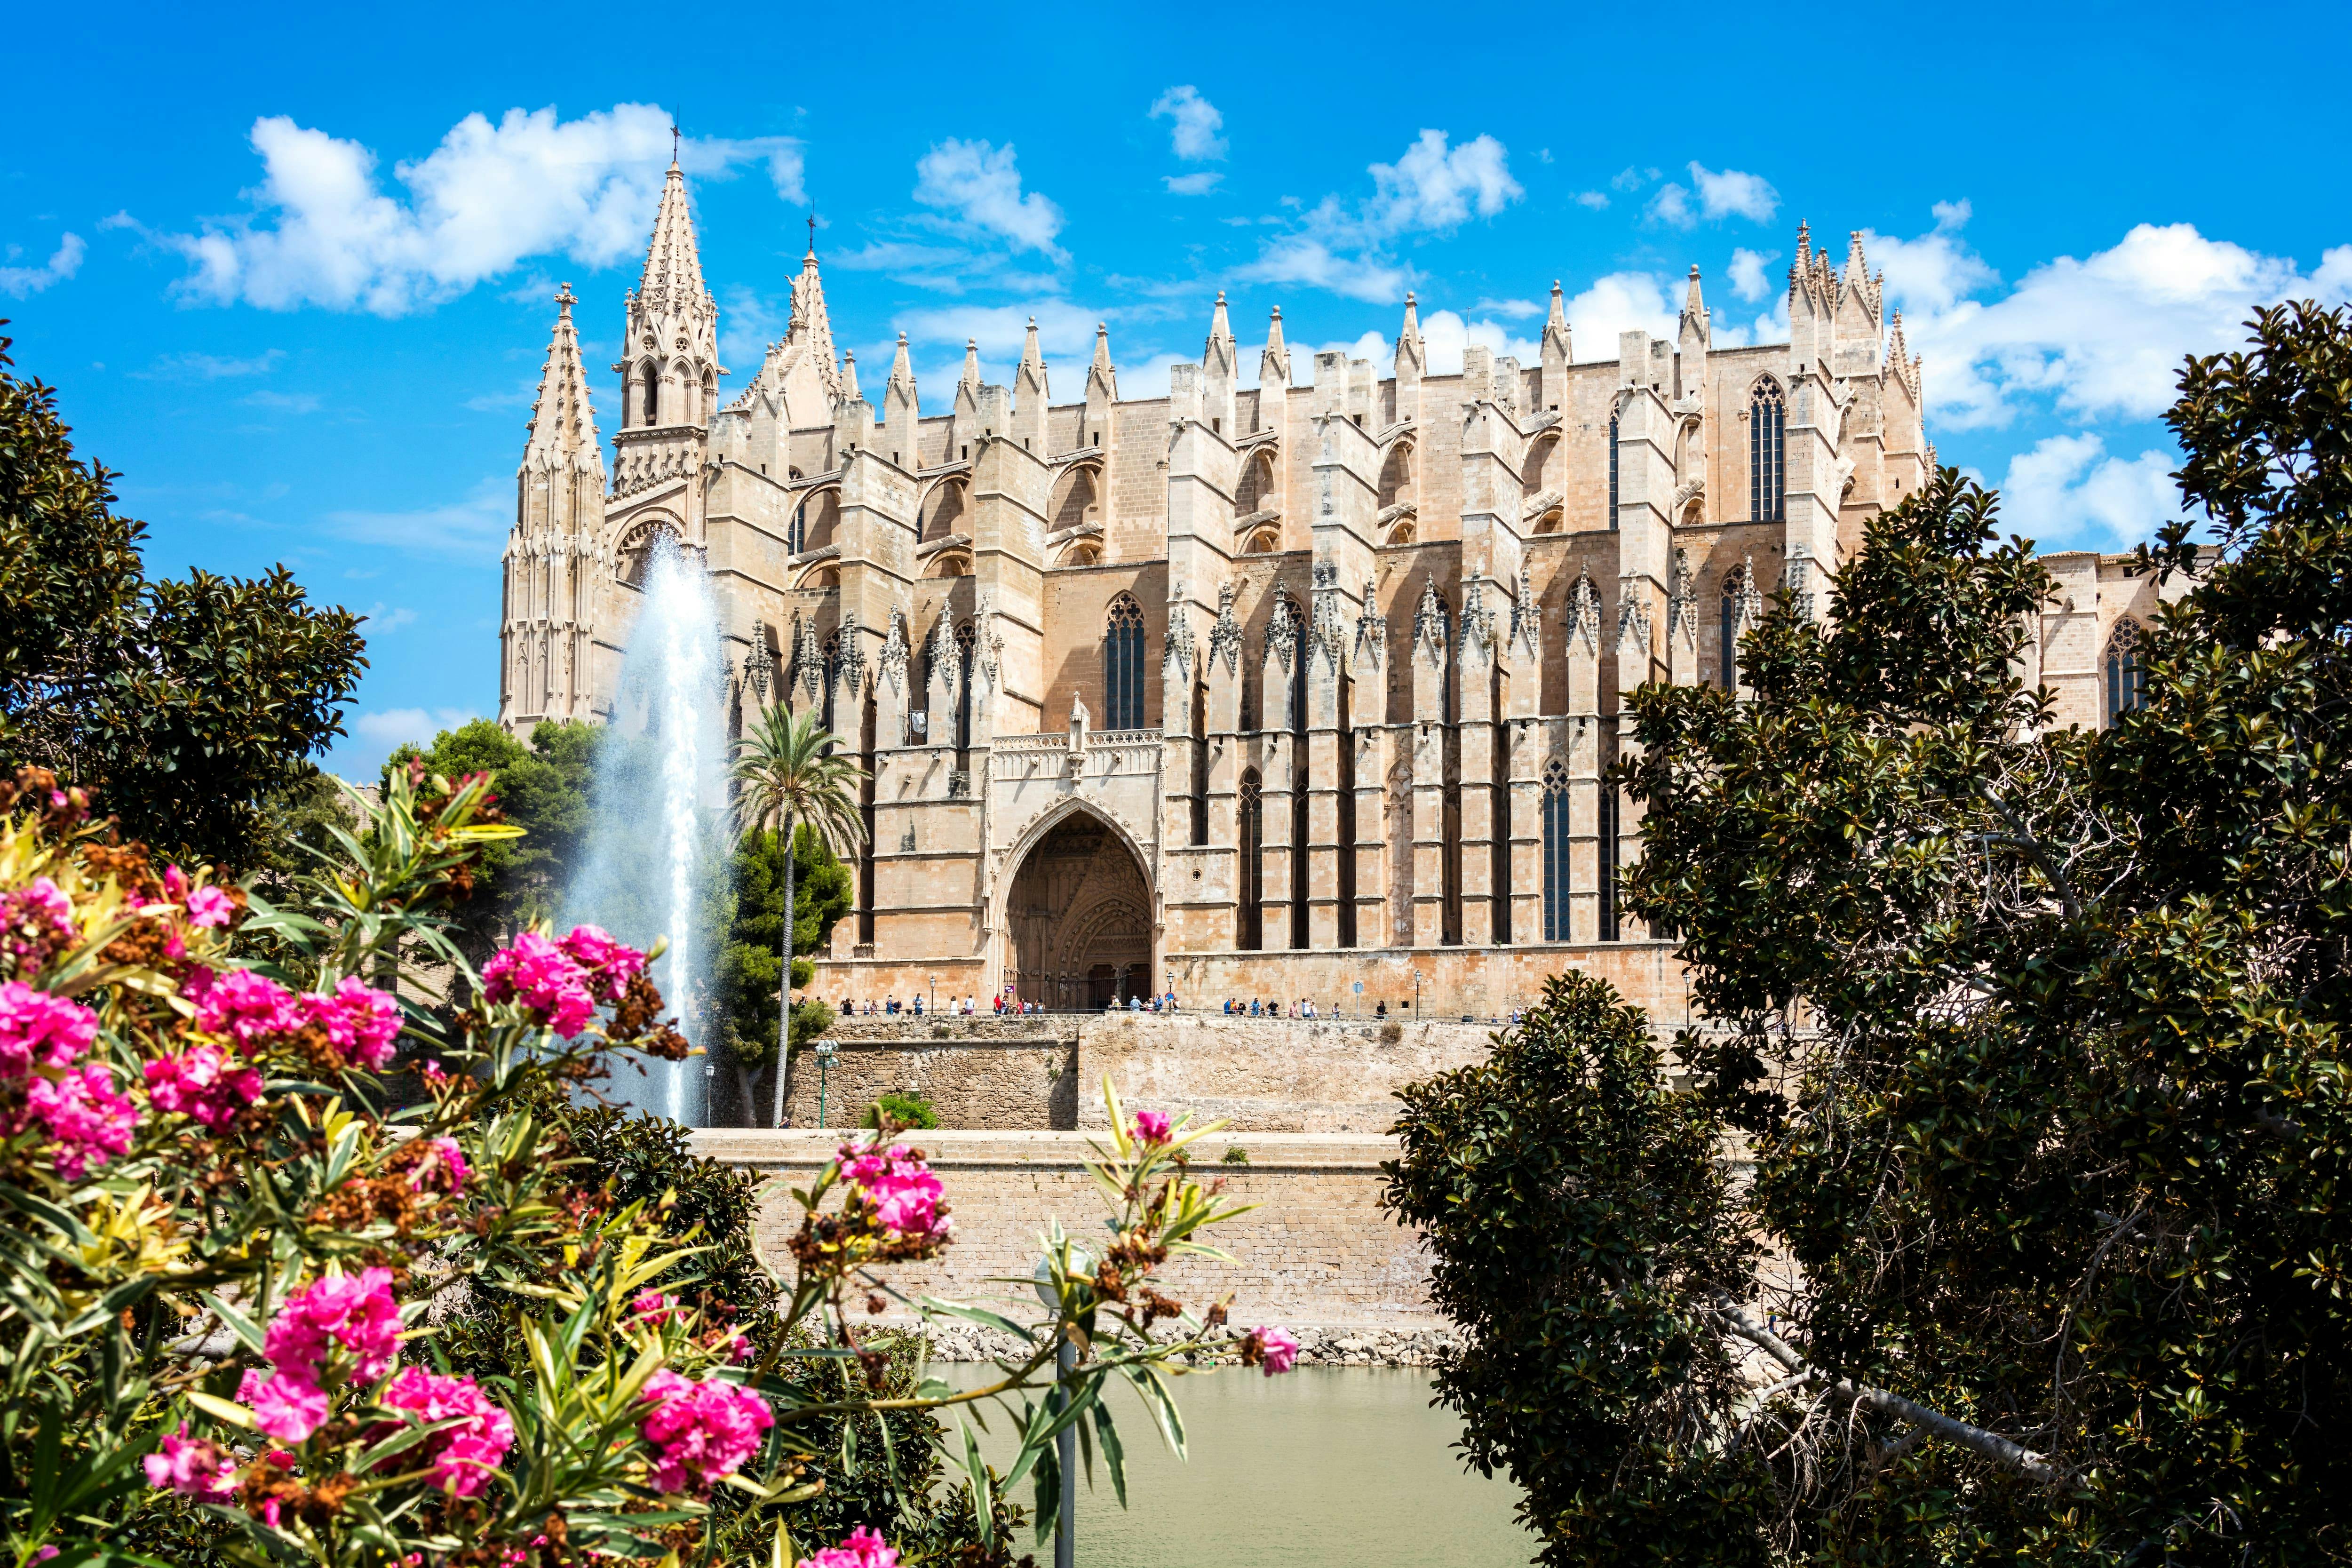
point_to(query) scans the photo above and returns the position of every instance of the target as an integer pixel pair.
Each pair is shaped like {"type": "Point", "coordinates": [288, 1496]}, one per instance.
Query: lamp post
{"type": "Point", "coordinates": [935, 995]}
{"type": "Point", "coordinates": [1065, 1445]}
{"type": "Point", "coordinates": [1416, 996]}
{"type": "Point", "coordinates": [823, 1061]}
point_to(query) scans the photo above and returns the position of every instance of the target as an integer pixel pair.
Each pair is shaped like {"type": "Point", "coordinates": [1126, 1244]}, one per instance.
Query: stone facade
{"type": "Point", "coordinates": [1241, 690]}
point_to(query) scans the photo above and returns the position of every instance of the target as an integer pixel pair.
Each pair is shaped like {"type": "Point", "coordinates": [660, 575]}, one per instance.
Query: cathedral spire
{"type": "Point", "coordinates": [970, 377]}
{"type": "Point", "coordinates": [849, 393]}
{"type": "Point", "coordinates": [1031, 358]}
{"type": "Point", "coordinates": [1693, 305]}
{"type": "Point", "coordinates": [1100, 375]}
{"type": "Point", "coordinates": [673, 275]}
{"type": "Point", "coordinates": [902, 374]}
{"type": "Point", "coordinates": [1274, 364]}
{"type": "Point", "coordinates": [1410, 350]}
{"type": "Point", "coordinates": [1556, 325]}
{"type": "Point", "coordinates": [1221, 329]}
{"type": "Point", "coordinates": [562, 422]}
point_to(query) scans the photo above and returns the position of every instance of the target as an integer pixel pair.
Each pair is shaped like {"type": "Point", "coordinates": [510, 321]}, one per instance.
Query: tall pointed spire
{"type": "Point", "coordinates": [1694, 327]}
{"type": "Point", "coordinates": [1693, 304]}
{"type": "Point", "coordinates": [1410, 350]}
{"type": "Point", "coordinates": [849, 393]}
{"type": "Point", "coordinates": [1556, 325]}
{"type": "Point", "coordinates": [673, 274]}
{"type": "Point", "coordinates": [1221, 329]}
{"type": "Point", "coordinates": [562, 422]}
{"type": "Point", "coordinates": [970, 377]}
{"type": "Point", "coordinates": [1101, 378]}
{"type": "Point", "coordinates": [1031, 358]}
{"type": "Point", "coordinates": [902, 374]}
{"type": "Point", "coordinates": [1274, 364]}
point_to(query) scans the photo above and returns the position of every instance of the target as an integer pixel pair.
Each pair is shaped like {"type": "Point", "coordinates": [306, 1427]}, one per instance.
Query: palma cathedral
{"type": "Point", "coordinates": [1304, 689]}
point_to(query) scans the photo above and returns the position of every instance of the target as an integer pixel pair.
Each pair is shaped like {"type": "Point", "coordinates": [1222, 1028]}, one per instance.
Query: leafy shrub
{"type": "Point", "coordinates": [910, 1111]}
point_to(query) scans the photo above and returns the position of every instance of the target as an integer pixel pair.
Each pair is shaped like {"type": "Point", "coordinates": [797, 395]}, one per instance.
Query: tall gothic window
{"type": "Point", "coordinates": [1122, 660]}
{"type": "Point", "coordinates": [1733, 585]}
{"type": "Point", "coordinates": [1251, 934]}
{"type": "Point", "coordinates": [1608, 863]}
{"type": "Point", "coordinates": [797, 530]}
{"type": "Point", "coordinates": [2126, 675]}
{"type": "Point", "coordinates": [832, 661]}
{"type": "Point", "coordinates": [653, 394]}
{"type": "Point", "coordinates": [1613, 412]}
{"type": "Point", "coordinates": [967, 646]}
{"type": "Point", "coordinates": [1555, 841]}
{"type": "Point", "coordinates": [1768, 453]}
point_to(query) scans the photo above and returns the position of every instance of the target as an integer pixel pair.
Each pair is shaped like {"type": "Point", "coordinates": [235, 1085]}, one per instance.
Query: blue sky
{"type": "Point", "coordinates": [290, 267]}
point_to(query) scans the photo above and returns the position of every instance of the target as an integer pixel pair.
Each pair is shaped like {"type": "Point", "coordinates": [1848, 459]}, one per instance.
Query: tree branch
{"type": "Point", "coordinates": [1935, 1423]}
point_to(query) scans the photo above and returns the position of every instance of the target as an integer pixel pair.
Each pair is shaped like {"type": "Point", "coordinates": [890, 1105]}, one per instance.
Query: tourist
{"type": "Point", "coordinates": [1171, 1001]}
{"type": "Point", "coordinates": [1382, 1010]}
{"type": "Point", "coordinates": [849, 1008]}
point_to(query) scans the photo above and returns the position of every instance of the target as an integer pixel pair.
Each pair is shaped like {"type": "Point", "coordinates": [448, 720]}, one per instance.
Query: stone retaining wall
{"type": "Point", "coordinates": [1318, 1250]}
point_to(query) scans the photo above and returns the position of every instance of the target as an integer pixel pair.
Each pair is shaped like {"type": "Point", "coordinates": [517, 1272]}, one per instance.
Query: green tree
{"type": "Point", "coordinates": [2036, 1034]}
{"type": "Point", "coordinates": [543, 788]}
{"type": "Point", "coordinates": [190, 704]}
{"type": "Point", "coordinates": [750, 962]}
{"type": "Point", "coordinates": [787, 771]}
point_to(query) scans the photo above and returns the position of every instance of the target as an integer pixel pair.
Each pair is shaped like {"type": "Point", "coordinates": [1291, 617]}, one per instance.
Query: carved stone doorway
{"type": "Point", "coordinates": [1079, 919]}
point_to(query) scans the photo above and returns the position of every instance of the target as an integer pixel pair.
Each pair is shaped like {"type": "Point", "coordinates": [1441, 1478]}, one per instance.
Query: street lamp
{"type": "Point", "coordinates": [1065, 1445]}
{"type": "Point", "coordinates": [823, 1061]}
{"type": "Point", "coordinates": [935, 995]}
{"type": "Point", "coordinates": [1416, 995]}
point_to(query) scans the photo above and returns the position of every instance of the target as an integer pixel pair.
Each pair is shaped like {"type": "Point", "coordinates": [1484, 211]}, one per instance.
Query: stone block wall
{"type": "Point", "coordinates": [1316, 1250]}
{"type": "Point", "coordinates": [988, 1074]}
{"type": "Point", "coordinates": [1267, 1075]}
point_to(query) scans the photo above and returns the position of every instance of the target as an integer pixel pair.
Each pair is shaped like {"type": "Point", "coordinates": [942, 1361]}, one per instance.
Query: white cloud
{"type": "Point", "coordinates": [1593, 199]}
{"type": "Point", "coordinates": [748, 323]}
{"type": "Point", "coordinates": [2067, 487]}
{"type": "Point", "coordinates": [283, 402]}
{"type": "Point", "coordinates": [375, 736]}
{"type": "Point", "coordinates": [1302, 258]}
{"type": "Point", "coordinates": [2103, 336]}
{"type": "Point", "coordinates": [1621, 302]}
{"type": "Point", "coordinates": [20, 281]}
{"type": "Point", "coordinates": [1065, 337]}
{"type": "Point", "coordinates": [980, 184]}
{"type": "Point", "coordinates": [1517, 309]}
{"type": "Point", "coordinates": [473, 527]}
{"type": "Point", "coordinates": [1632, 179]}
{"type": "Point", "coordinates": [1934, 272]}
{"type": "Point", "coordinates": [379, 619]}
{"type": "Point", "coordinates": [323, 233]}
{"type": "Point", "coordinates": [1197, 123]}
{"type": "Point", "coordinates": [1196, 185]}
{"type": "Point", "coordinates": [1748, 279]}
{"type": "Point", "coordinates": [1446, 334]}
{"type": "Point", "coordinates": [1436, 189]}
{"type": "Point", "coordinates": [1715, 195]}
{"type": "Point", "coordinates": [209, 367]}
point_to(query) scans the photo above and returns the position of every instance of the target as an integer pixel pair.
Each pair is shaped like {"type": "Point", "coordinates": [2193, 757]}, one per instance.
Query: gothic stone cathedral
{"type": "Point", "coordinates": [1234, 691]}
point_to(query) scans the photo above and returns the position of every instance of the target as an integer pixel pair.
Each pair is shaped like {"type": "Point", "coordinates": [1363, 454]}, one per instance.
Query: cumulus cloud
{"type": "Point", "coordinates": [2102, 336]}
{"type": "Point", "coordinates": [62, 264]}
{"type": "Point", "coordinates": [376, 734]}
{"type": "Point", "coordinates": [1517, 309]}
{"type": "Point", "coordinates": [1621, 302]}
{"type": "Point", "coordinates": [1713, 196]}
{"type": "Point", "coordinates": [475, 526]}
{"type": "Point", "coordinates": [1196, 122]}
{"type": "Point", "coordinates": [323, 232]}
{"type": "Point", "coordinates": [1194, 184]}
{"type": "Point", "coordinates": [1446, 335]}
{"type": "Point", "coordinates": [1433, 188]}
{"type": "Point", "coordinates": [1065, 336]}
{"type": "Point", "coordinates": [1748, 279]}
{"type": "Point", "coordinates": [2067, 488]}
{"type": "Point", "coordinates": [1593, 199]}
{"type": "Point", "coordinates": [979, 184]}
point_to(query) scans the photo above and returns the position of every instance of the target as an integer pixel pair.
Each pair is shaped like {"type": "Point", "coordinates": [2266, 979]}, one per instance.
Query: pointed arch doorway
{"type": "Point", "coordinates": [1078, 918]}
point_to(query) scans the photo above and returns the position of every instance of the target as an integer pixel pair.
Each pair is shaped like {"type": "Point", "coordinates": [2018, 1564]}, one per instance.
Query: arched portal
{"type": "Point", "coordinates": [1078, 918]}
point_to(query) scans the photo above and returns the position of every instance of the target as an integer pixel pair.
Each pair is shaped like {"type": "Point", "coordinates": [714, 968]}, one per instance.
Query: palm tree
{"type": "Point", "coordinates": [786, 768]}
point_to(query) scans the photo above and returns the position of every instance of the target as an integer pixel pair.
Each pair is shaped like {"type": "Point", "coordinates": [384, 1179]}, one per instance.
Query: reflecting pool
{"type": "Point", "coordinates": [1328, 1465]}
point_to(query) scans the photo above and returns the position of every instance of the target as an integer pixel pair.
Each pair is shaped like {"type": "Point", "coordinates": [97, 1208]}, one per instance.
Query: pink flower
{"type": "Point", "coordinates": [192, 1467]}
{"type": "Point", "coordinates": [610, 964]}
{"type": "Point", "coordinates": [441, 1167]}
{"type": "Point", "coordinates": [462, 1456]}
{"type": "Point", "coordinates": [700, 1432]}
{"type": "Point", "coordinates": [543, 978]}
{"type": "Point", "coordinates": [209, 906]}
{"type": "Point", "coordinates": [247, 1007]}
{"type": "Point", "coordinates": [361, 1021]}
{"type": "Point", "coordinates": [863, 1549]}
{"type": "Point", "coordinates": [287, 1406]}
{"type": "Point", "coordinates": [201, 1083]}
{"type": "Point", "coordinates": [1276, 1352]}
{"type": "Point", "coordinates": [353, 1314]}
{"type": "Point", "coordinates": [1152, 1127]}
{"type": "Point", "coordinates": [37, 1028]}
{"type": "Point", "coordinates": [654, 1307]}
{"type": "Point", "coordinates": [434, 1074]}
{"type": "Point", "coordinates": [902, 1192]}
{"type": "Point", "coordinates": [35, 921]}
{"type": "Point", "coordinates": [82, 1111]}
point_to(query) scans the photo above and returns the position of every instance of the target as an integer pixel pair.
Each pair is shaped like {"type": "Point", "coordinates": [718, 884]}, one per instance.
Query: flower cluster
{"type": "Point", "coordinates": [35, 924]}
{"type": "Point", "coordinates": [608, 966]}
{"type": "Point", "coordinates": [545, 979]}
{"type": "Point", "coordinates": [439, 1165]}
{"type": "Point", "coordinates": [1152, 1127]}
{"type": "Point", "coordinates": [902, 1193]}
{"type": "Point", "coordinates": [460, 1456]}
{"type": "Point", "coordinates": [84, 1118]}
{"type": "Point", "coordinates": [1272, 1350]}
{"type": "Point", "coordinates": [203, 1083]}
{"type": "Point", "coordinates": [356, 1023]}
{"type": "Point", "coordinates": [339, 1326]}
{"type": "Point", "coordinates": [702, 1432]}
{"type": "Point", "coordinates": [192, 1467]}
{"type": "Point", "coordinates": [863, 1549]}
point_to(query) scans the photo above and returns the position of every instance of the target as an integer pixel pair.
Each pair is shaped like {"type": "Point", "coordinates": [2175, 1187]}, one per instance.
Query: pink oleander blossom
{"type": "Point", "coordinates": [83, 1113]}
{"type": "Point", "coordinates": [350, 1315]}
{"type": "Point", "coordinates": [361, 1022]}
{"type": "Point", "coordinates": [544, 979]}
{"type": "Point", "coordinates": [209, 906]}
{"type": "Point", "coordinates": [654, 1307]}
{"type": "Point", "coordinates": [903, 1193]}
{"type": "Point", "coordinates": [288, 1406]}
{"type": "Point", "coordinates": [1276, 1350]}
{"type": "Point", "coordinates": [192, 1467]}
{"type": "Point", "coordinates": [1152, 1127]}
{"type": "Point", "coordinates": [863, 1549]}
{"type": "Point", "coordinates": [203, 1083]}
{"type": "Point", "coordinates": [700, 1433]}
{"type": "Point", "coordinates": [250, 1008]}
{"type": "Point", "coordinates": [462, 1456]}
{"type": "Point", "coordinates": [35, 921]}
{"type": "Point", "coordinates": [440, 1168]}
{"type": "Point", "coordinates": [39, 1029]}
{"type": "Point", "coordinates": [608, 965]}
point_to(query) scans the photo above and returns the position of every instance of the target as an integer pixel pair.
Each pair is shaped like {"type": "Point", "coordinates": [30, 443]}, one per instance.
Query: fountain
{"type": "Point", "coordinates": [656, 862]}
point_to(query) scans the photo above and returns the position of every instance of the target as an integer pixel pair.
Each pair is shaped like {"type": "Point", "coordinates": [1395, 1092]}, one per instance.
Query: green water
{"type": "Point", "coordinates": [1337, 1465]}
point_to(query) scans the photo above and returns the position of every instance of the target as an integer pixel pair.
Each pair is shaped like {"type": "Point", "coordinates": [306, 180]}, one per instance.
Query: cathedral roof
{"type": "Point", "coordinates": [673, 276]}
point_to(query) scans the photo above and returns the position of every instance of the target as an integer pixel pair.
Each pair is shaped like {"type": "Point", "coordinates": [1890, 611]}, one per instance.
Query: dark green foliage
{"type": "Point", "coordinates": [910, 1111]}
{"type": "Point", "coordinates": [1579, 1219]}
{"type": "Point", "coordinates": [750, 965]}
{"type": "Point", "coordinates": [2038, 1035]}
{"type": "Point", "coordinates": [543, 788]}
{"type": "Point", "coordinates": [190, 705]}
